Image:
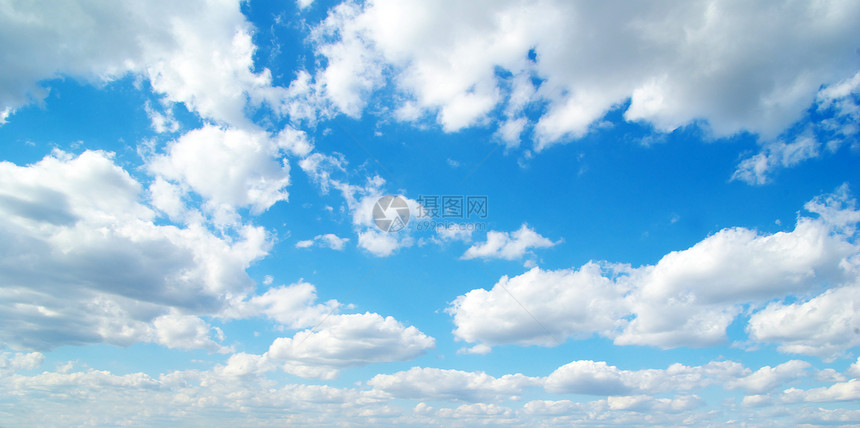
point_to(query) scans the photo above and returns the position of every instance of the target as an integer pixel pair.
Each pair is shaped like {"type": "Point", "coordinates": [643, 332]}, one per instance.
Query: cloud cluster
{"type": "Point", "coordinates": [240, 390]}
{"type": "Point", "coordinates": [86, 262]}
{"type": "Point", "coordinates": [735, 66]}
{"type": "Point", "coordinates": [690, 297]}
{"type": "Point", "coordinates": [197, 53]}
{"type": "Point", "coordinates": [76, 230]}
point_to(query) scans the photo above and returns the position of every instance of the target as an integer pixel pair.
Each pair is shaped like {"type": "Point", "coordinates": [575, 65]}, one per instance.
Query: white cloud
{"type": "Point", "coordinates": [677, 64]}
{"type": "Point", "coordinates": [348, 341]}
{"type": "Point", "coordinates": [689, 297]}
{"type": "Point", "coordinates": [241, 391]}
{"type": "Point", "coordinates": [825, 325]}
{"type": "Point", "coordinates": [842, 99]}
{"type": "Point", "coordinates": [837, 209]}
{"type": "Point", "coordinates": [439, 384]}
{"type": "Point", "coordinates": [196, 53]}
{"type": "Point", "coordinates": [161, 122]}
{"type": "Point", "coordinates": [293, 306]}
{"type": "Point", "coordinates": [332, 241]}
{"type": "Point", "coordinates": [769, 378]}
{"type": "Point", "coordinates": [566, 303]}
{"type": "Point", "coordinates": [20, 361]}
{"type": "Point", "coordinates": [304, 4]}
{"type": "Point", "coordinates": [479, 349]}
{"type": "Point", "coordinates": [649, 404]}
{"type": "Point", "coordinates": [84, 263]}
{"type": "Point", "coordinates": [305, 244]}
{"type": "Point", "coordinates": [234, 393]}
{"type": "Point", "coordinates": [4, 115]}
{"type": "Point", "coordinates": [378, 243]}
{"type": "Point", "coordinates": [508, 245]}
{"type": "Point", "coordinates": [187, 332]}
{"type": "Point", "coordinates": [757, 169]}
{"type": "Point", "coordinates": [854, 369]}
{"type": "Point", "coordinates": [230, 168]}
{"type": "Point", "coordinates": [329, 240]}
{"type": "Point", "coordinates": [599, 378]}
{"type": "Point", "coordinates": [352, 71]}
{"type": "Point", "coordinates": [168, 197]}
{"type": "Point", "coordinates": [511, 130]}
{"type": "Point", "coordinates": [840, 391]}
{"type": "Point", "coordinates": [321, 168]}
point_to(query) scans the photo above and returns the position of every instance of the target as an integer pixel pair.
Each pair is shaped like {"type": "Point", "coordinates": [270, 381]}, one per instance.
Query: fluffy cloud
{"type": "Point", "coordinates": [840, 391]}
{"type": "Point", "coordinates": [599, 378]}
{"type": "Point", "coordinates": [438, 384]}
{"type": "Point", "coordinates": [674, 64]}
{"type": "Point", "coordinates": [769, 378]}
{"type": "Point", "coordinates": [187, 332]}
{"type": "Point", "coordinates": [508, 246]}
{"type": "Point", "coordinates": [566, 302]}
{"type": "Point", "coordinates": [229, 168]}
{"type": "Point", "coordinates": [84, 261]}
{"type": "Point", "coordinates": [348, 341]}
{"type": "Point", "coordinates": [293, 306]}
{"type": "Point", "coordinates": [825, 325]}
{"type": "Point", "coordinates": [198, 53]}
{"type": "Point", "coordinates": [689, 297]}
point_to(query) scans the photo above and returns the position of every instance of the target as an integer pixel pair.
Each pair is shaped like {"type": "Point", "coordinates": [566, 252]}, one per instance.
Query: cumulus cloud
{"type": "Point", "coordinates": [567, 302]}
{"type": "Point", "coordinates": [439, 384]}
{"type": "Point", "coordinates": [187, 332]}
{"type": "Point", "coordinates": [825, 325]}
{"type": "Point", "coordinates": [348, 341]}
{"type": "Point", "coordinates": [84, 261]}
{"type": "Point", "coordinates": [769, 378]}
{"type": "Point", "coordinates": [229, 168]}
{"type": "Point", "coordinates": [293, 306]}
{"type": "Point", "coordinates": [689, 297]}
{"type": "Point", "coordinates": [599, 378]}
{"type": "Point", "coordinates": [508, 245]}
{"type": "Point", "coordinates": [195, 53]}
{"type": "Point", "coordinates": [840, 391]}
{"type": "Point", "coordinates": [662, 63]}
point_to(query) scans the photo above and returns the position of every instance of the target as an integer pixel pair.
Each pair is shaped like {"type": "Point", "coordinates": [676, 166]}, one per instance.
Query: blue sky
{"type": "Point", "coordinates": [188, 193]}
